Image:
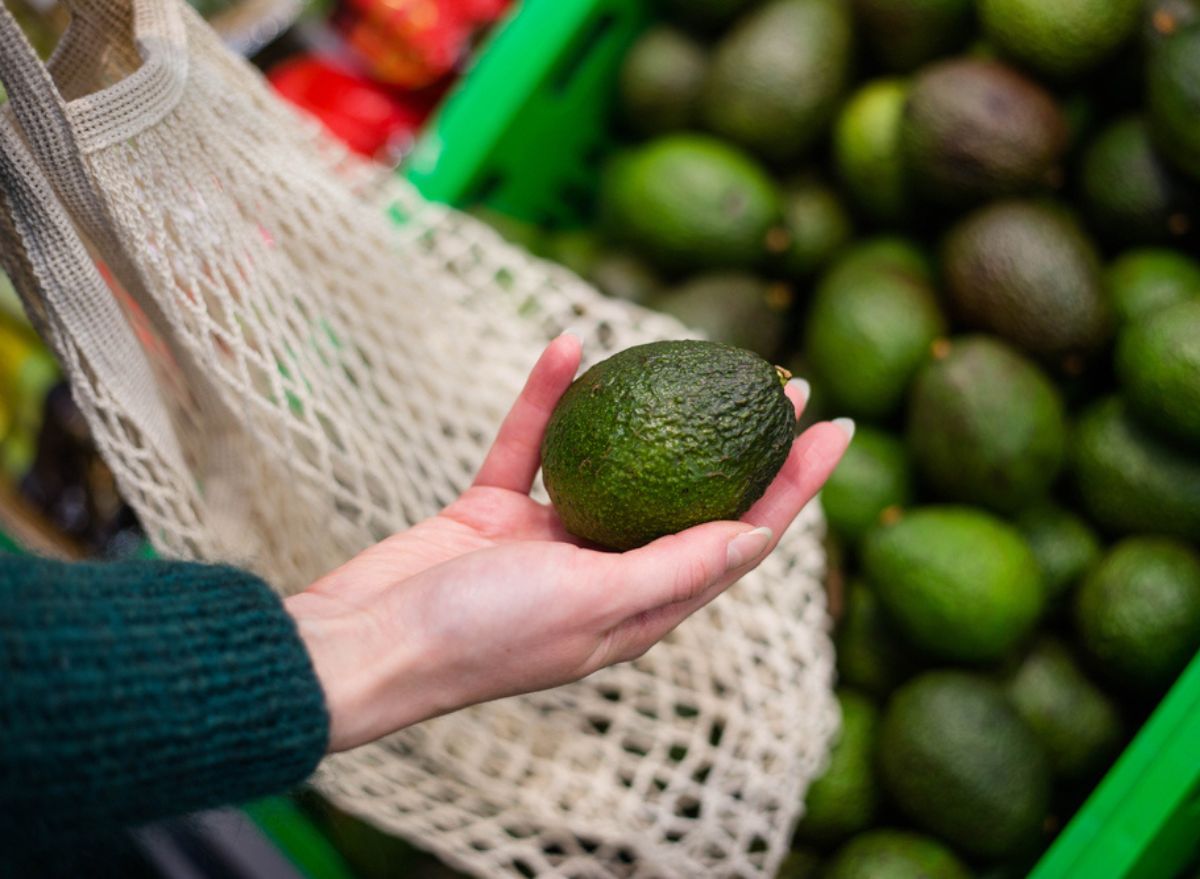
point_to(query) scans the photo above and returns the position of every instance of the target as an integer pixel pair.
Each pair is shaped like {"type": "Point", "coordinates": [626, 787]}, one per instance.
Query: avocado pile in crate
{"type": "Point", "coordinates": [973, 225]}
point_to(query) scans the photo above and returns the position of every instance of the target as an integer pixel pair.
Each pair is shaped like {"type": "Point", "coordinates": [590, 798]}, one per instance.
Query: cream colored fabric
{"type": "Point", "coordinates": [306, 358]}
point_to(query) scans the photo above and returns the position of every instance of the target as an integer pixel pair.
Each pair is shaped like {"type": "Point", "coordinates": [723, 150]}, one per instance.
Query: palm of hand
{"type": "Point", "coordinates": [492, 596]}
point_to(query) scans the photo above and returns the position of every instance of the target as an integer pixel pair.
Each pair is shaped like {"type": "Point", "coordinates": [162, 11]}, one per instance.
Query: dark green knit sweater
{"type": "Point", "coordinates": [135, 691]}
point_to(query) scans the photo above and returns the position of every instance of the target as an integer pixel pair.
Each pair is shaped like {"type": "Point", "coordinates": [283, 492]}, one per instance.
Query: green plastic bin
{"type": "Point", "coordinates": [524, 133]}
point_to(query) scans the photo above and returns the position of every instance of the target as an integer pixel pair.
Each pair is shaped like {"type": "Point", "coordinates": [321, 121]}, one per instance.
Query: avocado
{"type": "Point", "coordinates": [736, 308]}
{"type": "Point", "coordinates": [873, 475]}
{"type": "Point", "coordinates": [867, 150]}
{"type": "Point", "coordinates": [1064, 545]}
{"type": "Point", "coordinates": [844, 800]}
{"type": "Point", "coordinates": [975, 129]}
{"type": "Point", "coordinates": [1141, 282]}
{"type": "Point", "coordinates": [889, 254]}
{"type": "Point", "coordinates": [688, 201]}
{"type": "Point", "coordinates": [663, 436]}
{"type": "Point", "coordinates": [1078, 725]}
{"type": "Point", "coordinates": [660, 81]}
{"type": "Point", "coordinates": [904, 34]}
{"type": "Point", "coordinates": [1026, 271]}
{"type": "Point", "coordinates": [959, 584]}
{"type": "Point", "coordinates": [704, 15]}
{"type": "Point", "coordinates": [894, 854]}
{"type": "Point", "coordinates": [817, 225]}
{"type": "Point", "coordinates": [985, 425]}
{"type": "Point", "coordinates": [1173, 98]}
{"type": "Point", "coordinates": [1061, 39]}
{"type": "Point", "coordinates": [1138, 612]}
{"type": "Point", "coordinates": [624, 275]}
{"type": "Point", "coordinates": [777, 76]}
{"type": "Point", "coordinates": [959, 762]}
{"type": "Point", "coordinates": [1131, 480]}
{"type": "Point", "coordinates": [1129, 194]}
{"type": "Point", "coordinates": [1158, 364]}
{"type": "Point", "coordinates": [869, 328]}
{"type": "Point", "coordinates": [871, 655]}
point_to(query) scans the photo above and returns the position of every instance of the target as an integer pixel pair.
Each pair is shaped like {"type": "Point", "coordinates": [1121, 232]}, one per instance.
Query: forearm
{"type": "Point", "coordinates": [135, 691]}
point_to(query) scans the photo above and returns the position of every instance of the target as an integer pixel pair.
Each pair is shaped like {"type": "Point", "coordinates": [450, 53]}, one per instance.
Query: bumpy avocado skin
{"type": "Point", "coordinates": [664, 436]}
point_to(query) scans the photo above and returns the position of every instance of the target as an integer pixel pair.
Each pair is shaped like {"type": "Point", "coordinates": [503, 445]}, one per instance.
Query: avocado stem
{"type": "Point", "coordinates": [784, 375]}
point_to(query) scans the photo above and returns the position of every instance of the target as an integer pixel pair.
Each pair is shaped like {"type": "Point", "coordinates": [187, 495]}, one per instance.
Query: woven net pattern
{"type": "Point", "coordinates": [330, 358]}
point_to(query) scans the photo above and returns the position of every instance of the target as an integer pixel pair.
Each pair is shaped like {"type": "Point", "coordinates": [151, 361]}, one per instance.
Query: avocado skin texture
{"type": "Point", "coordinates": [1078, 725]}
{"type": "Point", "coordinates": [1064, 545]}
{"type": "Point", "coordinates": [872, 320]}
{"type": "Point", "coordinates": [1158, 364]}
{"type": "Point", "coordinates": [1138, 612]}
{"type": "Point", "coordinates": [976, 129]}
{"type": "Point", "coordinates": [664, 436]}
{"type": "Point", "coordinates": [985, 426]}
{"type": "Point", "coordinates": [688, 201]}
{"type": "Point", "coordinates": [1140, 282]}
{"type": "Point", "coordinates": [1129, 193]}
{"type": "Point", "coordinates": [904, 34]}
{"type": "Point", "coordinates": [777, 76]}
{"type": "Point", "coordinates": [959, 583]}
{"type": "Point", "coordinates": [660, 81]}
{"type": "Point", "coordinates": [735, 308]}
{"type": "Point", "coordinates": [1173, 98]}
{"type": "Point", "coordinates": [893, 854]}
{"type": "Point", "coordinates": [960, 762]}
{"type": "Point", "coordinates": [845, 799]}
{"type": "Point", "coordinates": [1059, 38]}
{"type": "Point", "coordinates": [1131, 480]}
{"type": "Point", "coordinates": [1025, 271]}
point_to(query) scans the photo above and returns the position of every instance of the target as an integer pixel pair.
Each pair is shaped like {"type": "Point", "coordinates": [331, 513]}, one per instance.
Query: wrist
{"type": "Point", "coordinates": [372, 682]}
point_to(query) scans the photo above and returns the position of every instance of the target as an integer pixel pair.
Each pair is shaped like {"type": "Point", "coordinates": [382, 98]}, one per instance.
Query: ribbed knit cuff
{"type": "Point", "coordinates": [134, 691]}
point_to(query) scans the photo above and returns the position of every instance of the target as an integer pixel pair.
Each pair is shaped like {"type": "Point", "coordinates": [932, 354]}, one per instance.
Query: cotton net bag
{"type": "Point", "coordinates": [285, 355]}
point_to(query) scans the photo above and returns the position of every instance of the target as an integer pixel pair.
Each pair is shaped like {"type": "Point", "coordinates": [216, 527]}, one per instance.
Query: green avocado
{"type": "Point", "coordinates": [736, 308]}
{"type": "Point", "coordinates": [985, 425]}
{"type": "Point", "coordinates": [1138, 612]}
{"type": "Point", "coordinates": [663, 436]}
{"type": "Point", "coordinates": [960, 763]}
{"type": "Point", "coordinates": [1130, 479]}
{"type": "Point", "coordinates": [958, 583]}
{"type": "Point", "coordinates": [1064, 545]}
{"type": "Point", "coordinates": [1141, 282]}
{"type": "Point", "coordinates": [844, 800]}
{"type": "Point", "coordinates": [975, 129]}
{"type": "Point", "coordinates": [871, 654]}
{"type": "Point", "coordinates": [777, 76]}
{"type": "Point", "coordinates": [1158, 364]}
{"type": "Point", "coordinates": [817, 225]}
{"type": "Point", "coordinates": [687, 201]}
{"type": "Point", "coordinates": [873, 475]}
{"type": "Point", "coordinates": [1173, 98]}
{"type": "Point", "coordinates": [867, 150]}
{"type": "Point", "coordinates": [1078, 725]}
{"type": "Point", "coordinates": [892, 854]}
{"type": "Point", "coordinates": [1062, 38]}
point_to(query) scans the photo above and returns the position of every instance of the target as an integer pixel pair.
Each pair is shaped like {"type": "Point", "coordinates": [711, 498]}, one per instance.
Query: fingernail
{"type": "Point", "coordinates": [746, 547]}
{"type": "Point", "coordinates": [802, 386]}
{"type": "Point", "coordinates": [846, 426]}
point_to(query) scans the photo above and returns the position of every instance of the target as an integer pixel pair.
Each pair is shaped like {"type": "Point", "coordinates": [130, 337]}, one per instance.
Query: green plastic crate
{"type": "Point", "coordinates": [525, 132]}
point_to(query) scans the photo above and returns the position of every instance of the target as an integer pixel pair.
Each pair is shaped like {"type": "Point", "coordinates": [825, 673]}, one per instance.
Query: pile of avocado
{"type": "Point", "coordinates": [974, 226]}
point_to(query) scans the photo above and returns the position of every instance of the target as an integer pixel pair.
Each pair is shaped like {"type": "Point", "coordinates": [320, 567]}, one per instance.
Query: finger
{"type": "Point", "coordinates": [679, 567]}
{"type": "Point", "coordinates": [814, 455]}
{"type": "Point", "coordinates": [798, 391]}
{"type": "Point", "coordinates": [515, 455]}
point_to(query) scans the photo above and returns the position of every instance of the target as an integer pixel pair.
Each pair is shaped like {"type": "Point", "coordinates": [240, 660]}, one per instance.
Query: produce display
{"type": "Point", "coordinates": [973, 226]}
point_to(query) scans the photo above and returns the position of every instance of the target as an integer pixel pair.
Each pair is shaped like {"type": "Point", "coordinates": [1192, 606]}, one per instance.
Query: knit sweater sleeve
{"type": "Point", "coordinates": [135, 691]}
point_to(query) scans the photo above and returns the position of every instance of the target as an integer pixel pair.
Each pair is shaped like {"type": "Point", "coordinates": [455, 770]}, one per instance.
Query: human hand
{"type": "Point", "coordinates": [492, 597]}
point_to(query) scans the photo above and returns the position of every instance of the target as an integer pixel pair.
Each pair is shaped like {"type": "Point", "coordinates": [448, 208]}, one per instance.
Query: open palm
{"type": "Point", "coordinates": [492, 596]}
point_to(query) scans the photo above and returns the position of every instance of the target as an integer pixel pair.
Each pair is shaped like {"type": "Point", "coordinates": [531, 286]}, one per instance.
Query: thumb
{"type": "Point", "coordinates": [681, 567]}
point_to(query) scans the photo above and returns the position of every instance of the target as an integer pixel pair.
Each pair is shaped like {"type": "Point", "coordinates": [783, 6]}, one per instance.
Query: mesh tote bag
{"type": "Point", "coordinates": [285, 355]}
